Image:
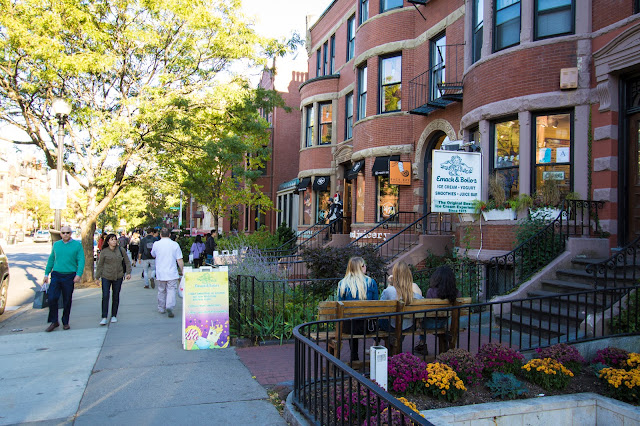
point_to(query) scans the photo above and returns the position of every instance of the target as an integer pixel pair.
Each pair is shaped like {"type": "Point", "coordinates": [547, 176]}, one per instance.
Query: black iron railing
{"type": "Point", "coordinates": [407, 237]}
{"type": "Point", "coordinates": [620, 269]}
{"type": "Point", "coordinates": [392, 224]}
{"type": "Point", "coordinates": [470, 276]}
{"type": "Point", "coordinates": [574, 218]}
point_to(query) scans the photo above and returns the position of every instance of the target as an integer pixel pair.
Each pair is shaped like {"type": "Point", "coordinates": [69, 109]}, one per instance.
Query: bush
{"type": "Point", "coordinates": [564, 354]}
{"type": "Point", "coordinates": [406, 373]}
{"type": "Point", "coordinates": [185, 246]}
{"type": "Point", "coordinates": [285, 235]}
{"type": "Point", "coordinates": [548, 373]}
{"type": "Point", "coordinates": [622, 384]}
{"type": "Point", "coordinates": [506, 386]}
{"type": "Point", "coordinates": [497, 357]}
{"type": "Point", "coordinates": [468, 368]}
{"type": "Point", "coordinates": [627, 319]}
{"type": "Point", "coordinates": [261, 239]}
{"type": "Point", "coordinates": [443, 383]}
{"type": "Point", "coordinates": [613, 357]}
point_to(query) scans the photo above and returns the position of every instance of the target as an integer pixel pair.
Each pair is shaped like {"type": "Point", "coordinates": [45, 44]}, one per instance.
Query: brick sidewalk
{"type": "Point", "coordinates": [271, 364]}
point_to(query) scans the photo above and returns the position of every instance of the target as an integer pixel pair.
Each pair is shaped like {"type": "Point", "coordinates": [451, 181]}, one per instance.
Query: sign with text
{"type": "Point", "coordinates": [58, 199]}
{"type": "Point", "coordinates": [205, 317]}
{"type": "Point", "coordinates": [456, 181]}
{"type": "Point", "coordinates": [400, 172]}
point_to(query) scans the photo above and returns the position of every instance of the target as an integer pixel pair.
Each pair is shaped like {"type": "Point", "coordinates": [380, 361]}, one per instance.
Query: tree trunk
{"type": "Point", "coordinates": [86, 232]}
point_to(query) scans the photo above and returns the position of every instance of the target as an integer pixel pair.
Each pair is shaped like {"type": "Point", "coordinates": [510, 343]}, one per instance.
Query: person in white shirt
{"type": "Point", "coordinates": [169, 267]}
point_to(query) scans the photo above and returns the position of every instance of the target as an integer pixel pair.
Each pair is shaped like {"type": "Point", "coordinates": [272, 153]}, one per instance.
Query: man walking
{"type": "Point", "coordinates": [169, 267]}
{"type": "Point", "coordinates": [210, 246]}
{"type": "Point", "coordinates": [123, 241]}
{"type": "Point", "coordinates": [146, 259]}
{"type": "Point", "coordinates": [65, 264]}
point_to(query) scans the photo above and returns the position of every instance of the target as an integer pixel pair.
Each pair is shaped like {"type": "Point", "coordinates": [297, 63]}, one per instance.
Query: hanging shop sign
{"type": "Point", "coordinates": [456, 181]}
{"type": "Point", "coordinates": [400, 172]}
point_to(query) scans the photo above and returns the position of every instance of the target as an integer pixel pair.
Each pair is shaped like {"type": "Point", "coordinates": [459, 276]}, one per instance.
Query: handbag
{"type": "Point", "coordinates": [124, 265]}
{"type": "Point", "coordinates": [41, 300]}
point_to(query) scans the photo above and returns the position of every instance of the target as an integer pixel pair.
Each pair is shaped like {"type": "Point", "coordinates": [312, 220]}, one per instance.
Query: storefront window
{"type": "Point", "coordinates": [306, 208]}
{"type": "Point", "coordinates": [506, 155]}
{"type": "Point", "coordinates": [360, 198]}
{"type": "Point", "coordinates": [553, 136]}
{"type": "Point", "coordinates": [387, 198]}
{"type": "Point", "coordinates": [322, 206]}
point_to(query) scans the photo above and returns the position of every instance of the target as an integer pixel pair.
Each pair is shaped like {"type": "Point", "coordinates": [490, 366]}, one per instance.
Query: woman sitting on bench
{"type": "Point", "coordinates": [356, 286]}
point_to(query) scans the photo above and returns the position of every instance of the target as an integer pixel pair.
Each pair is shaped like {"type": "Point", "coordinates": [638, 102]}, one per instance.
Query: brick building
{"type": "Point", "coordinates": [547, 89]}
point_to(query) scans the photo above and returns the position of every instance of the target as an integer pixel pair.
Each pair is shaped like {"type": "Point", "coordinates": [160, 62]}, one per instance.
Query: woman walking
{"type": "Point", "coordinates": [198, 251]}
{"type": "Point", "coordinates": [134, 246]}
{"type": "Point", "coordinates": [356, 286]}
{"type": "Point", "coordinates": [113, 266]}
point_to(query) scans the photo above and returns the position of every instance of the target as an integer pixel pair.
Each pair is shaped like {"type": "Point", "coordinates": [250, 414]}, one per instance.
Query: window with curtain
{"type": "Point", "coordinates": [309, 120]}
{"type": "Point", "coordinates": [362, 92]}
{"type": "Point", "coordinates": [364, 11]}
{"type": "Point", "coordinates": [389, 4]}
{"type": "Point", "coordinates": [351, 37]}
{"type": "Point", "coordinates": [438, 65]}
{"type": "Point", "coordinates": [387, 198]}
{"type": "Point", "coordinates": [391, 84]}
{"type": "Point", "coordinates": [349, 115]}
{"type": "Point", "coordinates": [478, 26]}
{"type": "Point", "coordinates": [506, 155]}
{"type": "Point", "coordinates": [325, 124]}
{"type": "Point", "coordinates": [332, 58]}
{"type": "Point", "coordinates": [506, 29]}
{"type": "Point", "coordinates": [554, 150]}
{"type": "Point", "coordinates": [553, 18]}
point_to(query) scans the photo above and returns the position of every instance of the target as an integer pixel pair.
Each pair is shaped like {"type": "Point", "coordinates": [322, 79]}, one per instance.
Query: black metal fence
{"type": "Point", "coordinates": [392, 224]}
{"type": "Point", "coordinates": [470, 278]}
{"type": "Point", "coordinates": [407, 237]}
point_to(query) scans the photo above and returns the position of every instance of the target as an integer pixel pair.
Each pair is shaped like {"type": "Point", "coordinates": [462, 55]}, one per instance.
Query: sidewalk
{"type": "Point", "coordinates": [131, 372]}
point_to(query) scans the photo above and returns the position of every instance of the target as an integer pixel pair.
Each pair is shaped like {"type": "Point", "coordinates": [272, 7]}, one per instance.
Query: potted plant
{"type": "Point", "coordinates": [547, 201]}
{"type": "Point", "coordinates": [498, 207]}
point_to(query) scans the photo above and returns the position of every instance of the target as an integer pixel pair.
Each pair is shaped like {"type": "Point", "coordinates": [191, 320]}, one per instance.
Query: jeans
{"type": "Point", "coordinates": [149, 270]}
{"type": "Point", "coordinates": [167, 294]}
{"type": "Point", "coordinates": [60, 283]}
{"type": "Point", "coordinates": [115, 300]}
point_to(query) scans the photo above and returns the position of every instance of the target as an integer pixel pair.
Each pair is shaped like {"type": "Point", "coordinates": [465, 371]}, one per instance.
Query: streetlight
{"type": "Point", "coordinates": [61, 109]}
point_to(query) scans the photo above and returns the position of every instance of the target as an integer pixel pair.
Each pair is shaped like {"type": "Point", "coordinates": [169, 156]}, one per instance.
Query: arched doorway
{"type": "Point", "coordinates": [630, 179]}
{"type": "Point", "coordinates": [435, 142]}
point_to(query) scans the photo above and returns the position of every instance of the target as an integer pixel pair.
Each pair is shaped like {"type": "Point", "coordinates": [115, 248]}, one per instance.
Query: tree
{"type": "Point", "coordinates": [37, 206]}
{"type": "Point", "coordinates": [125, 66]}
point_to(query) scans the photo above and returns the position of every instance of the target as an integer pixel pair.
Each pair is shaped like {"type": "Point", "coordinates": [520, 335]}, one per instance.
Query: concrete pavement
{"type": "Point", "coordinates": [131, 372]}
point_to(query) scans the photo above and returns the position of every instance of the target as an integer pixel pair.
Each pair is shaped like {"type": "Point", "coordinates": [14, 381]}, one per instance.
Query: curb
{"type": "Point", "coordinates": [292, 415]}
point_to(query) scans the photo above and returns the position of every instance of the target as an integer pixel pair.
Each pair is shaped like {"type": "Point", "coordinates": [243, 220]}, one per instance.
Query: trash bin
{"type": "Point", "coordinates": [11, 239]}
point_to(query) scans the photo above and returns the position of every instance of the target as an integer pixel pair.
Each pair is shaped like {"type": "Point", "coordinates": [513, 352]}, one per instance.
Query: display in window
{"type": "Point", "coordinates": [387, 198]}
{"type": "Point", "coordinates": [360, 185]}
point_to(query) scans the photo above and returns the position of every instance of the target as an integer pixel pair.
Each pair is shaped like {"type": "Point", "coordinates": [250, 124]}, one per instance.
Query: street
{"type": "Point", "coordinates": [26, 268]}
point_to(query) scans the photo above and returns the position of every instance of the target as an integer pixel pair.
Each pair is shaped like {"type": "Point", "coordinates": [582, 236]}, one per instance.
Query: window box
{"type": "Point", "coordinates": [495, 214]}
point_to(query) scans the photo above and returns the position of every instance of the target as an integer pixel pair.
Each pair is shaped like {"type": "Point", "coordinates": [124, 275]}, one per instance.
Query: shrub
{"type": "Point", "coordinates": [358, 405]}
{"type": "Point", "coordinates": [627, 320]}
{"type": "Point", "coordinates": [565, 354]}
{"type": "Point", "coordinates": [443, 383]}
{"type": "Point", "coordinates": [597, 368]}
{"type": "Point", "coordinates": [633, 361]}
{"type": "Point", "coordinates": [260, 239]}
{"type": "Point", "coordinates": [468, 368]}
{"type": "Point", "coordinates": [497, 357]}
{"type": "Point", "coordinates": [406, 372]}
{"type": "Point", "coordinates": [548, 373]}
{"type": "Point", "coordinates": [396, 416]}
{"type": "Point", "coordinates": [613, 357]}
{"type": "Point", "coordinates": [622, 384]}
{"type": "Point", "coordinates": [506, 386]}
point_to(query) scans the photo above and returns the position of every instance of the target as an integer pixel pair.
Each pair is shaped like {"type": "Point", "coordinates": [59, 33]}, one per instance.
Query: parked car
{"type": "Point", "coordinates": [4, 280]}
{"type": "Point", "coordinates": [42, 236]}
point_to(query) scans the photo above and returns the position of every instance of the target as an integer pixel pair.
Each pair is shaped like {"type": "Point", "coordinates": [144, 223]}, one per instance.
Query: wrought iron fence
{"type": "Point", "coordinates": [393, 223]}
{"type": "Point", "coordinates": [470, 277]}
{"type": "Point", "coordinates": [619, 269]}
{"type": "Point", "coordinates": [574, 218]}
{"type": "Point", "coordinates": [402, 241]}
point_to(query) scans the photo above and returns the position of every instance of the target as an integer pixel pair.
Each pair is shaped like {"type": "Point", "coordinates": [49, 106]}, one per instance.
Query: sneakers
{"type": "Point", "coordinates": [114, 319]}
{"type": "Point", "coordinates": [170, 313]}
{"type": "Point", "coordinates": [146, 286]}
{"type": "Point", "coordinates": [152, 282]}
{"type": "Point", "coordinates": [103, 321]}
{"type": "Point", "coordinates": [162, 312]}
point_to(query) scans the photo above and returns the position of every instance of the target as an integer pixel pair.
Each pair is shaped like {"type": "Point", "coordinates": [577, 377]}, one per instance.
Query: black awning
{"type": "Point", "coordinates": [357, 167]}
{"type": "Point", "coordinates": [321, 183]}
{"type": "Point", "coordinates": [381, 165]}
{"type": "Point", "coordinates": [304, 184]}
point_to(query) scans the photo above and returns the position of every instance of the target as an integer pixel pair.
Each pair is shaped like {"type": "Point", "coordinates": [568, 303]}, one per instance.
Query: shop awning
{"type": "Point", "coordinates": [321, 183]}
{"type": "Point", "coordinates": [304, 184]}
{"type": "Point", "coordinates": [357, 167]}
{"type": "Point", "coordinates": [381, 165]}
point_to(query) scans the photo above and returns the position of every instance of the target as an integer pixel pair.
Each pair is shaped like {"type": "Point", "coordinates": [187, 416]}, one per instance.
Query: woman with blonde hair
{"type": "Point", "coordinates": [402, 288]}
{"type": "Point", "coordinates": [356, 285]}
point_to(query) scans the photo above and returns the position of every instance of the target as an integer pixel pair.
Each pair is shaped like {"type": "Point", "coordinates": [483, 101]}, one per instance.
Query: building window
{"type": "Point", "coordinates": [387, 198]}
{"type": "Point", "coordinates": [362, 92]}
{"type": "Point", "coordinates": [389, 4]}
{"type": "Point", "coordinates": [318, 63]}
{"type": "Point", "coordinates": [553, 18]}
{"type": "Point", "coordinates": [349, 115]}
{"type": "Point", "coordinates": [325, 124]}
{"type": "Point", "coordinates": [322, 206]}
{"type": "Point", "coordinates": [325, 58]}
{"type": "Point", "coordinates": [309, 119]}
{"type": "Point", "coordinates": [478, 25]}
{"type": "Point", "coordinates": [553, 151]}
{"type": "Point", "coordinates": [506, 155]}
{"type": "Point", "coordinates": [332, 60]}
{"type": "Point", "coordinates": [506, 24]}
{"type": "Point", "coordinates": [636, 6]}
{"type": "Point", "coordinates": [364, 11]}
{"type": "Point", "coordinates": [306, 207]}
{"type": "Point", "coordinates": [351, 37]}
{"type": "Point", "coordinates": [438, 65]}
{"type": "Point", "coordinates": [360, 185]}
{"type": "Point", "coordinates": [391, 84]}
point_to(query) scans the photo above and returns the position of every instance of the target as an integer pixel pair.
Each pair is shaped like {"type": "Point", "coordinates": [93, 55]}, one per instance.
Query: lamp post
{"type": "Point", "coordinates": [61, 109]}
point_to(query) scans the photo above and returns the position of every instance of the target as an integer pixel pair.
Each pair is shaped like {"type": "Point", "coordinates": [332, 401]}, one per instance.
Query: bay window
{"type": "Point", "coordinates": [553, 17]}
{"type": "Point", "coordinates": [309, 122]}
{"type": "Point", "coordinates": [391, 84]}
{"type": "Point", "coordinates": [478, 25]}
{"type": "Point", "coordinates": [505, 150]}
{"type": "Point", "coordinates": [389, 4]}
{"type": "Point", "coordinates": [325, 124]}
{"type": "Point", "coordinates": [506, 29]}
{"type": "Point", "coordinates": [554, 150]}
{"type": "Point", "coordinates": [351, 37]}
{"type": "Point", "coordinates": [349, 115]}
{"type": "Point", "coordinates": [364, 11]}
{"type": "Point", "coordinates": [362, 92]}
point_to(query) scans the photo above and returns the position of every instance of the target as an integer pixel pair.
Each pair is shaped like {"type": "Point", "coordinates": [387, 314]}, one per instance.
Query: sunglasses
{"type": "Point", "coordinates": [65, 232]}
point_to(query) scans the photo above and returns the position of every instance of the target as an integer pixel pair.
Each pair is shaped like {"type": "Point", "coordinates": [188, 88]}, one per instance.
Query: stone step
{"type": "Point", "coordinates": [563, 286]}
{"type": "Point", "coordinates": [566, 313]}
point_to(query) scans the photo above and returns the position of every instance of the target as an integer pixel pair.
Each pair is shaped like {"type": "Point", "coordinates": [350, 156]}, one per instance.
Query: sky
{"type": "Point", "coordinates": [279, 18]}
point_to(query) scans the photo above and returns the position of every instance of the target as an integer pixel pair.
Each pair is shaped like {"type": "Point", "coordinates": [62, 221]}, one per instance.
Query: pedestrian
{"type": "Point", "coordinates": [134, 246]}
{"type": "Point", "coordinates": [146, 258]}
{"type": "Point", "coordinates": [169, 267]}
{"type": "Point", "coordinates": [65, 264]}
{"type": "Point", "coordinates": [356, 285]}
{"type": "Point", "coordinates": [113, 266]}
{"type": "Point", "coordinates": [210, 246]}
{"type": "Point", "coordinates": [101, 241]}
{"type": "Point", "coordinates": [123, 241]}
{"type": "Point", "coordinates": [338, 212]}
{"type": "Point", "coordinates": [198, 251]}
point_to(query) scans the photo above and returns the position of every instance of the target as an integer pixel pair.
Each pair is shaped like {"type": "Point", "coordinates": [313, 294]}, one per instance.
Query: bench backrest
{"type": "Point", "coordinates": [422, 304]}
{"type": "Point", "coordinates": [327, 310]}
{"type": "Point", "coordinates": [360, 308]}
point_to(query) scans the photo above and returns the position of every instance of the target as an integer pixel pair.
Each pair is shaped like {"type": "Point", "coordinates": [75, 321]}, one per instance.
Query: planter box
{"type": "Point", "coordinates": [506, 214]}
{"type": "Point", "coordinates": [546, 213]}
